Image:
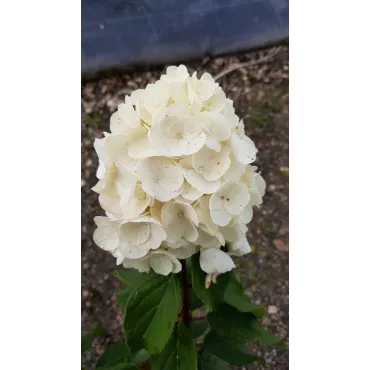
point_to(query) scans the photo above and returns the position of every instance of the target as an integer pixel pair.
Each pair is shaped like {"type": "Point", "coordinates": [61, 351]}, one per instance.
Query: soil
{"type": "Point", "coordinates": [261, 96]}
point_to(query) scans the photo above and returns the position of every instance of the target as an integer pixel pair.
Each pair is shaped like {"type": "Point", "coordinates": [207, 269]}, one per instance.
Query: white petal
{"type": "Point", "coordinates": [206, 241]}
{"type": "Point", "coordinates": [220, 217]}
{"type": "Point", "coordinates": [213, 143]}
{"type": "Point", "coordinates": [240, 247]}
{"type": "Point", "coordinates": [163, 255]}
{"type": "Point", "coordinates": [231, 234]}
{"type": "Point", "coordinates": [247, 215]}
{"type": "Point", "coordinates": [176, 230]}
{"type": "Point", "coordinates": [190, 232]}
{"type": "Point", "coordinates": [142, 265]}
{"type": "Point", "coordinates": [243, 148]}
{"type": "Point", "coordinates": [134, 233]}
{"type": "Point", "coordinates": [137, 204]}
{"type": "Point", "coordinates": [185, 251]}
{"type": "Point", "coordinates": [190, 193]}
{"type": "Point", "coordinates": [161, 264]}
{"type": "Point", "coordinates": [235, 171]}
{"type": "Point", "coordinates": [157, 235]}
{"type": "Point", "coordinates": [212, 165]}
{"type": "Point", "coordinates": [199, 182]}
{"type": "Point", "coordinates": [141, 148]}
{"type": "Point", "coordinates": [106, 235]}
{"type": "Point", "coordinates": [215, 261]}
{"type": "Point", "coordinates": [236, 198]}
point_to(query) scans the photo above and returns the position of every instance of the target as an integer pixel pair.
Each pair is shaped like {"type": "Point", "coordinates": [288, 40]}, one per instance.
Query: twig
{"type": "Point", "coordinates": [247, 64]}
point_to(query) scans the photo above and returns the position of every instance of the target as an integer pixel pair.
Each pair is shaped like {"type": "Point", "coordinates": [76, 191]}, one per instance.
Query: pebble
{"type": "Point", "coordinates": [272, 310]}
{"type": "Point", "coordinates": [280, 245]}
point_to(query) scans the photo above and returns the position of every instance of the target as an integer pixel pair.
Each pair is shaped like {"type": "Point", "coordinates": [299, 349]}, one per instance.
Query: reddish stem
{"type": "Point", "coordinates": [198, 318]}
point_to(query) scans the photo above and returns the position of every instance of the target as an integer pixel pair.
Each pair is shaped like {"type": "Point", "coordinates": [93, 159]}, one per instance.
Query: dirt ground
{"type": "Point", "coordinates": [261, 96]}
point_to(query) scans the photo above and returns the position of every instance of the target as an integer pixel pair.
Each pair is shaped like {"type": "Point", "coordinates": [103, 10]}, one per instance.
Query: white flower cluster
{"type": "Point", "coordinates": [175, 177]}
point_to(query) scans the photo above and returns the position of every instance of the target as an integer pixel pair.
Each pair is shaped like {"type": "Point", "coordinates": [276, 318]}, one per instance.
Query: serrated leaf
{"type": "Point", "coordinates": [115, 354]}
{"type": "Point", "coordinates": [214, 295]}
{"type": "Point", "coordinates": [151, 313]}
{"type": "Point", "coordinates": [179, 353]}
{"type": "Point", "coordinates": [208, 361]}
{"type": "Point", "coordinates": [234, 296]}
{"type": "Point", "coordinates": [86, 341]}
{"type": "Point", "coordinates": [229, 349]}
{"type": "Point", "coordinates": [198, 328]}
{"type": "Point", "coordinates": [227, 321]}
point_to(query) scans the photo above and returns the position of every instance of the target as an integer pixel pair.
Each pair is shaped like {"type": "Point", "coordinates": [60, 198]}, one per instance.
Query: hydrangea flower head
{"type": "Point", "coordinates": [175, 178]}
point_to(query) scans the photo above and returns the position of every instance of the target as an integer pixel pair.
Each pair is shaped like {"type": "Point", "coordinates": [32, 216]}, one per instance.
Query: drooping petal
{"type": "Point", "coordinates": [214, 260]}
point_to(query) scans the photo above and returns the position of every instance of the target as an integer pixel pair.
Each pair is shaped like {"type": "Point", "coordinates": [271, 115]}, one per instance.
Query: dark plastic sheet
{"type": "Point", "coordinates": [128, 33]}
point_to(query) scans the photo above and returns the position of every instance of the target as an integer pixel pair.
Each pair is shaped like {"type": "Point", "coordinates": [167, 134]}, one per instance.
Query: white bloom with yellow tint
{"type": "Point", "coordinates": [228, 201]}
{"type": "Point", "coordinates": [125, 120]}
{"type": "Point", "coordinates": [180, 221]}
{"type": "Point", "coordinates": [133, 238]}
{"type": "Point", "coordinates": [242, 146]}
{"type": "Point", "coordinates": [175, 177]}
{"type": "Point", "coordinates": [161, 178]}
{"type": "Point", "coordinates": [163, 262]}
{"type": "Point", "coordinates": [196, 180]}
{"type": "Point", "coordinates": [177, 133]}
{"type": "Point", "coordinates": [214, 262]}
{"type": "Point", "coordinates": [210, 164]}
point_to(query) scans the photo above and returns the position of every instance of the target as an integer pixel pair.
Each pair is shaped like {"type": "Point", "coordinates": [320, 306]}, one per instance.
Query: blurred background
{"type": "Point", "coordinates": [128, 44]}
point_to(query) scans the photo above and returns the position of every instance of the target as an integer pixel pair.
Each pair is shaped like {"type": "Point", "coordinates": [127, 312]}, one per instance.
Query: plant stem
{"type": "Point", "coordinates": [185, 310]}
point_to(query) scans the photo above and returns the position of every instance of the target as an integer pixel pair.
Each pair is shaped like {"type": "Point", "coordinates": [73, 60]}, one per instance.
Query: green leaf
{"type": "Point", "coordinates": [151, 313]}
{"type": "Point", "coordinates": [140, 357]}
{"type": "Point", "coordinates": [214, 295]}
{"type": "Point", "coordinates": [86, 341]}
{"type": "Point", "coordinates": [228, 349]}
{"type": "Point", "coordinates": [122, 296]}
{"type": "Point", "coordinates": [207, 361]}
{"type": "Point", "coordinates": [234, 296]}
{"type": "Point", "coordinates": [114, 354]}
{"type": "Point", "coordinates": [195, 302]}
{"type": "Point", "coordinates": [118, 367]}
{"type": "Point", "coordinates": [199, 328]}
{"type": "Point", "coordinates": [131, 277]}
{"type": "Point", "coordinates": [180, 352]}
{"type": "Point", "coordinates": [227, 321]}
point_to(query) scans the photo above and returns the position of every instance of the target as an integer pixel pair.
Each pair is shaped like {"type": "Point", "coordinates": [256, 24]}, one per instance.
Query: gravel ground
{"type": "Point", "coordinates": [261, 95]}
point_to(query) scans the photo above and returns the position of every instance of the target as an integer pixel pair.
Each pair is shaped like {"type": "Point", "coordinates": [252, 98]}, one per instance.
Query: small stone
{"type": "Point", "coordinates": [85, 294]}
{"type": "Point", "coordinates": [89, 162]}
{"type": "Point", "coordinates": [83, 183]}
{"type": "Point", "coordinates": [280, 245]}
{"type": "Point", "coordinates": [272, 310]}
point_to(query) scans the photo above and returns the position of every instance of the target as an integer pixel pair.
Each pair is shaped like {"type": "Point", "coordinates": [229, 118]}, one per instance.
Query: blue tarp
{"type": "Point", "coordinates": [128, 33]}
